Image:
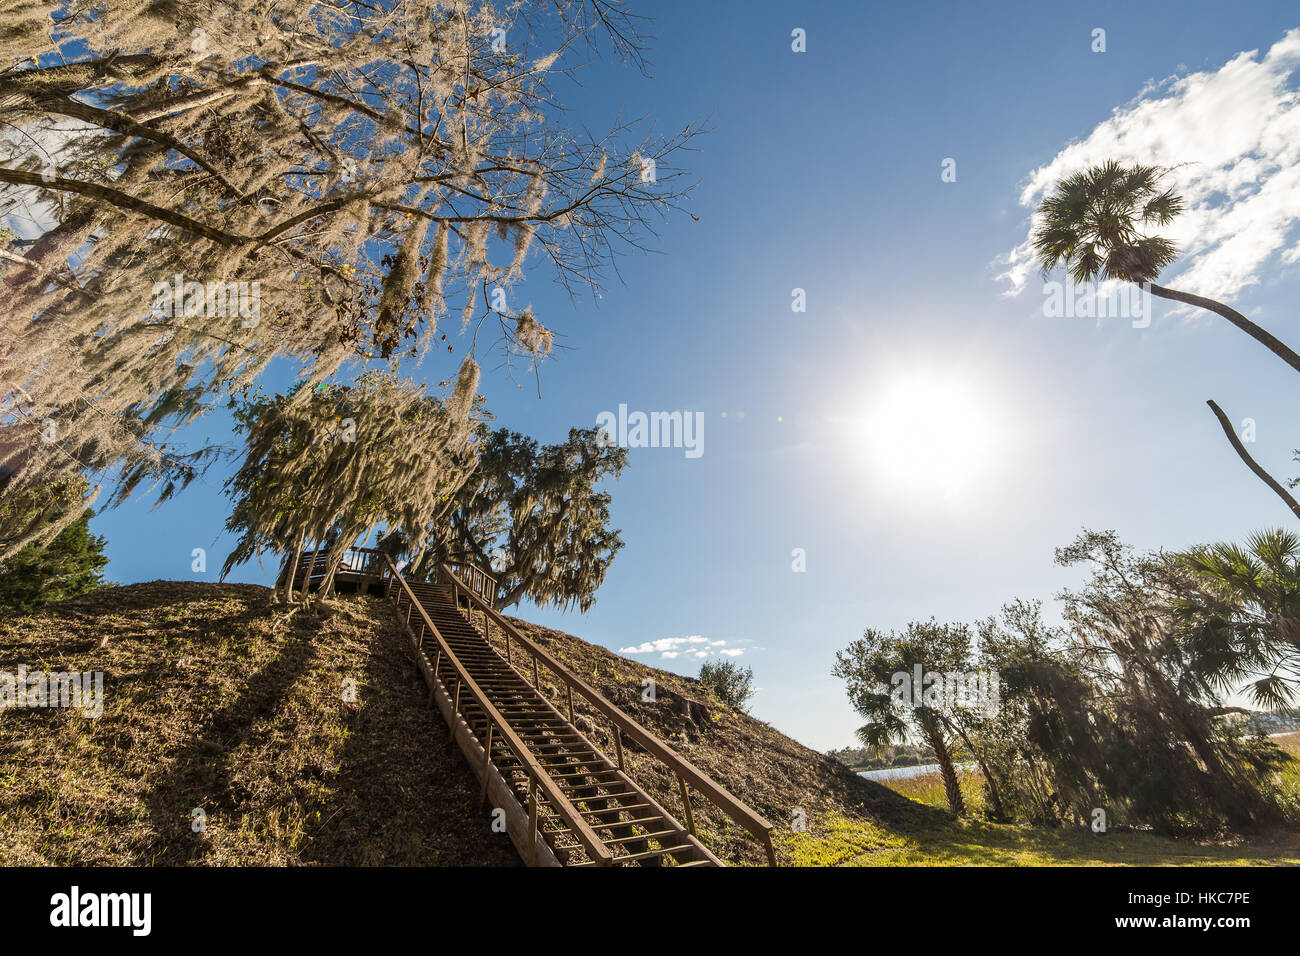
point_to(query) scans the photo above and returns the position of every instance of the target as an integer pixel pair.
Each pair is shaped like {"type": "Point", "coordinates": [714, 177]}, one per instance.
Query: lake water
{"type": "Point", "coordinates": [897, 773]}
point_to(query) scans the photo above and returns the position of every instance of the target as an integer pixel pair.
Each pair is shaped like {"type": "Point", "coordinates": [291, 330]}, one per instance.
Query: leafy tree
{"type": "Point", "coordinates": [536, 517]}
{"type": "Point", "coordinates": [329, 467]}
{"type": "Point", "coordinates": [733, 684]}
{"type": "Point", "coordinates": [870, 666]}
{"type": "Point", "coordinates": [1044, 744]}
{"type": "Point", "coordinates": [35, 514]}
{"type": "Point", "coordinates": [1116, 710]}
{"type": "Point", "coordinates": [68, 565]}
{"type": "Point", "coordinates": [359, 171]}
{"type": "Point", "coordinates": [1127, 624]}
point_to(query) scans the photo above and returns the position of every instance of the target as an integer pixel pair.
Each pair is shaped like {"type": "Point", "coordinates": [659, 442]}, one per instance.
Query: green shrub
{"type": "Point", "coordinates": [731, 682]}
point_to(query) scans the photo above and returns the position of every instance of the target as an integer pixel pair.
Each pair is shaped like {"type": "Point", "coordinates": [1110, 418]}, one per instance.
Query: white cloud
{"type": "Point", "coordinates": [1233, 135]}
{"type": "Point", "coordinates": [694, 646]}
{"type": "Point", "coordinates": [664, 645]}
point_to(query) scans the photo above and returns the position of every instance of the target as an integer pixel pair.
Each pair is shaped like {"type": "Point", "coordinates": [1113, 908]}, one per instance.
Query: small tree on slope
{"type": "Point", "coordinates": [40, 574]}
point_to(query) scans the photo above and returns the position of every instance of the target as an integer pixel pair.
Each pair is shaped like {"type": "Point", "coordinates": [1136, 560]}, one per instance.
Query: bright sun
{"type": "Point", "coordinates": [929, 433]}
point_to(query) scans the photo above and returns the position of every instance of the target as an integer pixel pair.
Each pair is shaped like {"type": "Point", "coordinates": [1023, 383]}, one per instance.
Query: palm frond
{"type": "Point", "coordinates": [1094, 223]}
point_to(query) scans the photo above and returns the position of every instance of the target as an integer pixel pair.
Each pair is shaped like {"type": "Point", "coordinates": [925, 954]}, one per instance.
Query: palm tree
{"type": "Point", "coordinates": [870, 665]}
{"type": "Point", "coordinates": [1246, 615]}
{"type": "Point", "coordinates": [1097, 223]}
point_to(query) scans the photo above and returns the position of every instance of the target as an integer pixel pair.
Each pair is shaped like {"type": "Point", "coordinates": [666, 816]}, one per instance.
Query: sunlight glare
{"type": "Point", "coordinates": [929, 433]}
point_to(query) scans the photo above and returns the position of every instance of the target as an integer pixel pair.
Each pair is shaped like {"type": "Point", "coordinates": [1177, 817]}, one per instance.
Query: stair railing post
{"type": "Point", "coordinates": [686, 804]}
{"type": "Point", "coordinates": [437, 663]}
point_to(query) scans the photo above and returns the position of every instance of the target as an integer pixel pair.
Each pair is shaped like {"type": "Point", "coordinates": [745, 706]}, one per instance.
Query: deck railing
{"type": "Point", "coordinates": [476, 579]}
{"type": "Point", "coordinates": [687, 774]}
{"type": "Point", "coordinates": [366, 563]}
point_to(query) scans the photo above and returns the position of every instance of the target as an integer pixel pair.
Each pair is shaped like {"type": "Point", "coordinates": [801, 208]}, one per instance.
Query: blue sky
{"type": "Point", "coordinates": [822, 172]}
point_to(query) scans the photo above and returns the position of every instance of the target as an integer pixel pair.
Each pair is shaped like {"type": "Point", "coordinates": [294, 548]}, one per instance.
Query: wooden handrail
{"type": "Point", "coordinates": [538, 775]}
{"type": "Point", "coordinates": [685, 770]}
{"type": "Point", "coordinates": [478, 580]}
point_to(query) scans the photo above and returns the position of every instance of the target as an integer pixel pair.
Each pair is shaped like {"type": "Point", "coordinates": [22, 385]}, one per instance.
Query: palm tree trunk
{"type": "Point", "coordinates": [1253, 465]}
{"type": "Point", "coordinates": [1267, 339]}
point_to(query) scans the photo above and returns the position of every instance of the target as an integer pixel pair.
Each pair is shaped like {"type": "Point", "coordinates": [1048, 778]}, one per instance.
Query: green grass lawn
{"type": "Point", "coordinates": [838, 841]}
{"type": "Point", "coordinates": [833, 840]}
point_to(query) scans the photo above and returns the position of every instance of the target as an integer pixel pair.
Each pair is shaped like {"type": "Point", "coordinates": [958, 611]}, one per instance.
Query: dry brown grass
{"type": "Point", "coordinates": [216, 699]}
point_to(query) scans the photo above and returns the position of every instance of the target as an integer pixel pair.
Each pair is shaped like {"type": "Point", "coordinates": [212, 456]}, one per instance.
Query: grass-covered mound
{"type": "Point", "coordinates": [215, 699]}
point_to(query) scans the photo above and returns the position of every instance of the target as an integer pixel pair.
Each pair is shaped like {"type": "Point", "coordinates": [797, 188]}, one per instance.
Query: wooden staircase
{"type": "Point", "coordinates": [563, 801]}
{"type": "Point", "coordinates": [627, 822]}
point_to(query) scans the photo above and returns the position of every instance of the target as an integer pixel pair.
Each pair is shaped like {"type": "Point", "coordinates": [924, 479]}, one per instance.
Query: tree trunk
{"type": "Point", "coordinates": [311, 569]}
{"type": "Point", "coordinates": [998, 813]}
{"type": "Point", "coordinates": [934, 737]}
{"type": "Point", "coordinates": [293, 570]}
{"type": "Point", "coordinates": [333, 559]}
{"type": "Point", "coordinates": [1267, 339]}
{"type": "Point", "coordinates": [1253, 465]}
